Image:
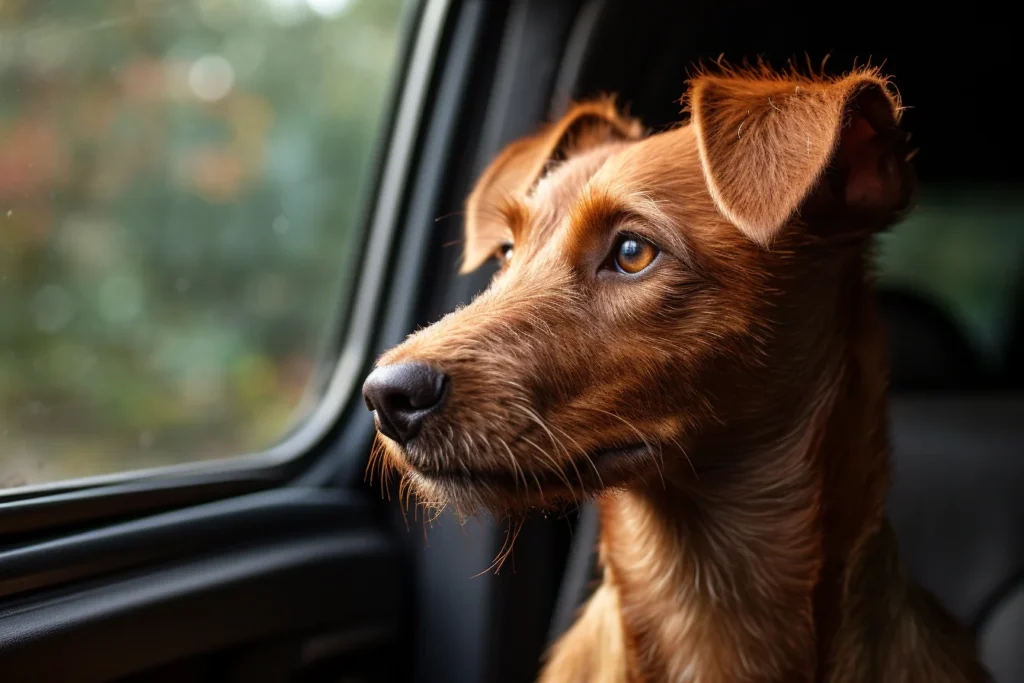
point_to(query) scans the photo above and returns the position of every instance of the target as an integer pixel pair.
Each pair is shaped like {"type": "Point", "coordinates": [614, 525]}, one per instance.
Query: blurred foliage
{"type": "Point", "coordinates": [181, 186]}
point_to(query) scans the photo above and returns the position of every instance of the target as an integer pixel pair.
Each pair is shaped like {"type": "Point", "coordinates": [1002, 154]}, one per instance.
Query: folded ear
{"type": "Point", "coordinates": [515, 171]}
{"type": "Point", "coordinates": [767, 141]}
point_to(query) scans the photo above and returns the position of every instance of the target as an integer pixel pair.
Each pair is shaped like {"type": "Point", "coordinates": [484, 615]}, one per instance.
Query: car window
{"type": "Point", "coordinates": [962, 247]}
{"type": "Point", "coordinates": [182, 184]}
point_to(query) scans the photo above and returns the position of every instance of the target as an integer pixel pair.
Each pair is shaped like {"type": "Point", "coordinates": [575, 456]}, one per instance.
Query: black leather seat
{"type": "Point", "coordinates": [957, 508]}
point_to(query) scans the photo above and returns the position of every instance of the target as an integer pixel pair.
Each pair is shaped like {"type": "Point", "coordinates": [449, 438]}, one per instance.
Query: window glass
{"type": "Point", "coordinates": [181, 186]}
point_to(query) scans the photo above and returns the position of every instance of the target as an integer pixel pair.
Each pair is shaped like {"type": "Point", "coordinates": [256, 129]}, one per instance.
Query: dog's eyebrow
{"type": "Point", "coordinates": [669, 233]}
{"type": "Point", "coordinates": [596, 209]}
{"type": "Point", "coordinates": [516, 215]}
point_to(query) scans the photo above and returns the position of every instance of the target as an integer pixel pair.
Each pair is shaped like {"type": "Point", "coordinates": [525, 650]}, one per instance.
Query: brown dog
{"type": "Point", "coordinates": [683, 327]}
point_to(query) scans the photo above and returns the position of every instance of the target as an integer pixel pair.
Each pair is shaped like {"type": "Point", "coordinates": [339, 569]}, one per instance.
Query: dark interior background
{"type": "Point", "coordinates": [955, 70]}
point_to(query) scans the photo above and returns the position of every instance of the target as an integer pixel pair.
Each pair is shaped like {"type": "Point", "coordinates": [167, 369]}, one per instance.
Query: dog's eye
{"type": "Point", "coordinates": [633, 254]}
{"type": "Point", "coordinates": [504, 253]}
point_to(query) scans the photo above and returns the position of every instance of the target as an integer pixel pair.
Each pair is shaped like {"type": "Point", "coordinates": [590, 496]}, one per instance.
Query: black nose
{"type": "Point", "coordinates": [402, 396]}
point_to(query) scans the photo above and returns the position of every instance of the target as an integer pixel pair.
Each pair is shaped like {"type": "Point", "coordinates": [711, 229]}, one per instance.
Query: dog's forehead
{"type": "Point", "coordinates": [663, 162]}
{"type": "Point", "coordinates": [662, 170]}
{"type": "Point", "coordinates": [558, 189]}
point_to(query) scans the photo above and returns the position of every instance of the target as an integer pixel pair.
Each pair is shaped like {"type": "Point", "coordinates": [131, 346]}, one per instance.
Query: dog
{"type": "Point", "coordinates": [682, 327]}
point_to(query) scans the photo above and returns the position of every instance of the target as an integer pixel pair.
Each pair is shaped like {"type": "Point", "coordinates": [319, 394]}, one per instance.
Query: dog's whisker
{"type": "Point", "coordinates": [505, 550]}
{"type": "Point", "coordinates": [583, 453]}
{"type": "Point", "coordinates": [639, 434]}
{"type": "Point", "coordinates": [516, 469]}
{"type": "Point", "coordinates": [403, 487]}
{"type": "Point", "coordinates": [659, 465]}
{"type": "Point", "coordinates": [380, 464]}
{"type": "Point", "coordinates": [556, 444]}
{"type": "Point", "coordinates": [685, 455]}
{"type": "Point", "coordinates": [551, 464]}
{"type": "Point", "coordinates": [375, 462]}
{"type": "Point", "coordinates": [405, 513]}
{"type": "Point", "coordinates": [540, 489]}
{"type": "Point", "coordinates": [437, 509]}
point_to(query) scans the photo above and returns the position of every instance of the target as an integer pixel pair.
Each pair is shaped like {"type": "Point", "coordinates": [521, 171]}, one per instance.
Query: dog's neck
{"type": "Point", "coordinates": [742, 574]}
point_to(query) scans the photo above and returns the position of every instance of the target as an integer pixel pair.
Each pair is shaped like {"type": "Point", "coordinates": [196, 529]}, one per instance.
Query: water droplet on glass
{"type": "Point", "coordinates": [211, 77]}
{"type": "Point", "coordinates": [182, 284]}
{"type": "Point", "coordinates": [146, 440]}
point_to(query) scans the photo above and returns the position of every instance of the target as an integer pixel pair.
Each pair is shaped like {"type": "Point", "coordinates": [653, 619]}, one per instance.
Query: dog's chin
{"type": "Point", "coordinates": [506, 491]}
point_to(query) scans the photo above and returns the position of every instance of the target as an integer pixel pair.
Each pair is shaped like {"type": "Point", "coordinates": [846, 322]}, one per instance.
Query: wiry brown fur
{"type": "Point", "coordinates": [726, 407]}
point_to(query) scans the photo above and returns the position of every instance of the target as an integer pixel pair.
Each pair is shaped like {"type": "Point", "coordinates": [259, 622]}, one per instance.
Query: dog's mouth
{"type": "Point", "coordinates": [595, 471]}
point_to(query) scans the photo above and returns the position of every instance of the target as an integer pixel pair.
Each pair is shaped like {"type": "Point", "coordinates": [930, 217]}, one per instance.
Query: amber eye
{"type": "Point", "coordinates": [633, 254]}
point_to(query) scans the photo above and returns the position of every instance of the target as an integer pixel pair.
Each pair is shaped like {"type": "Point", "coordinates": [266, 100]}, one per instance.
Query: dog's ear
{"type": "Point", "coordinates": [522, 163]}
{"type": "Point", "coordinates": [770, 142]}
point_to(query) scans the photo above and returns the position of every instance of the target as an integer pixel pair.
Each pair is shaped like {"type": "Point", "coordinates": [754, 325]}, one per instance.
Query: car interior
{"type": "Point", "coordinates": [291, 566]}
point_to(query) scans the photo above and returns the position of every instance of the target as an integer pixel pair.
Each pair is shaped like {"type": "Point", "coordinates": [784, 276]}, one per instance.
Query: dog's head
{"type": "Point", "coordinates": [655, 292]}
